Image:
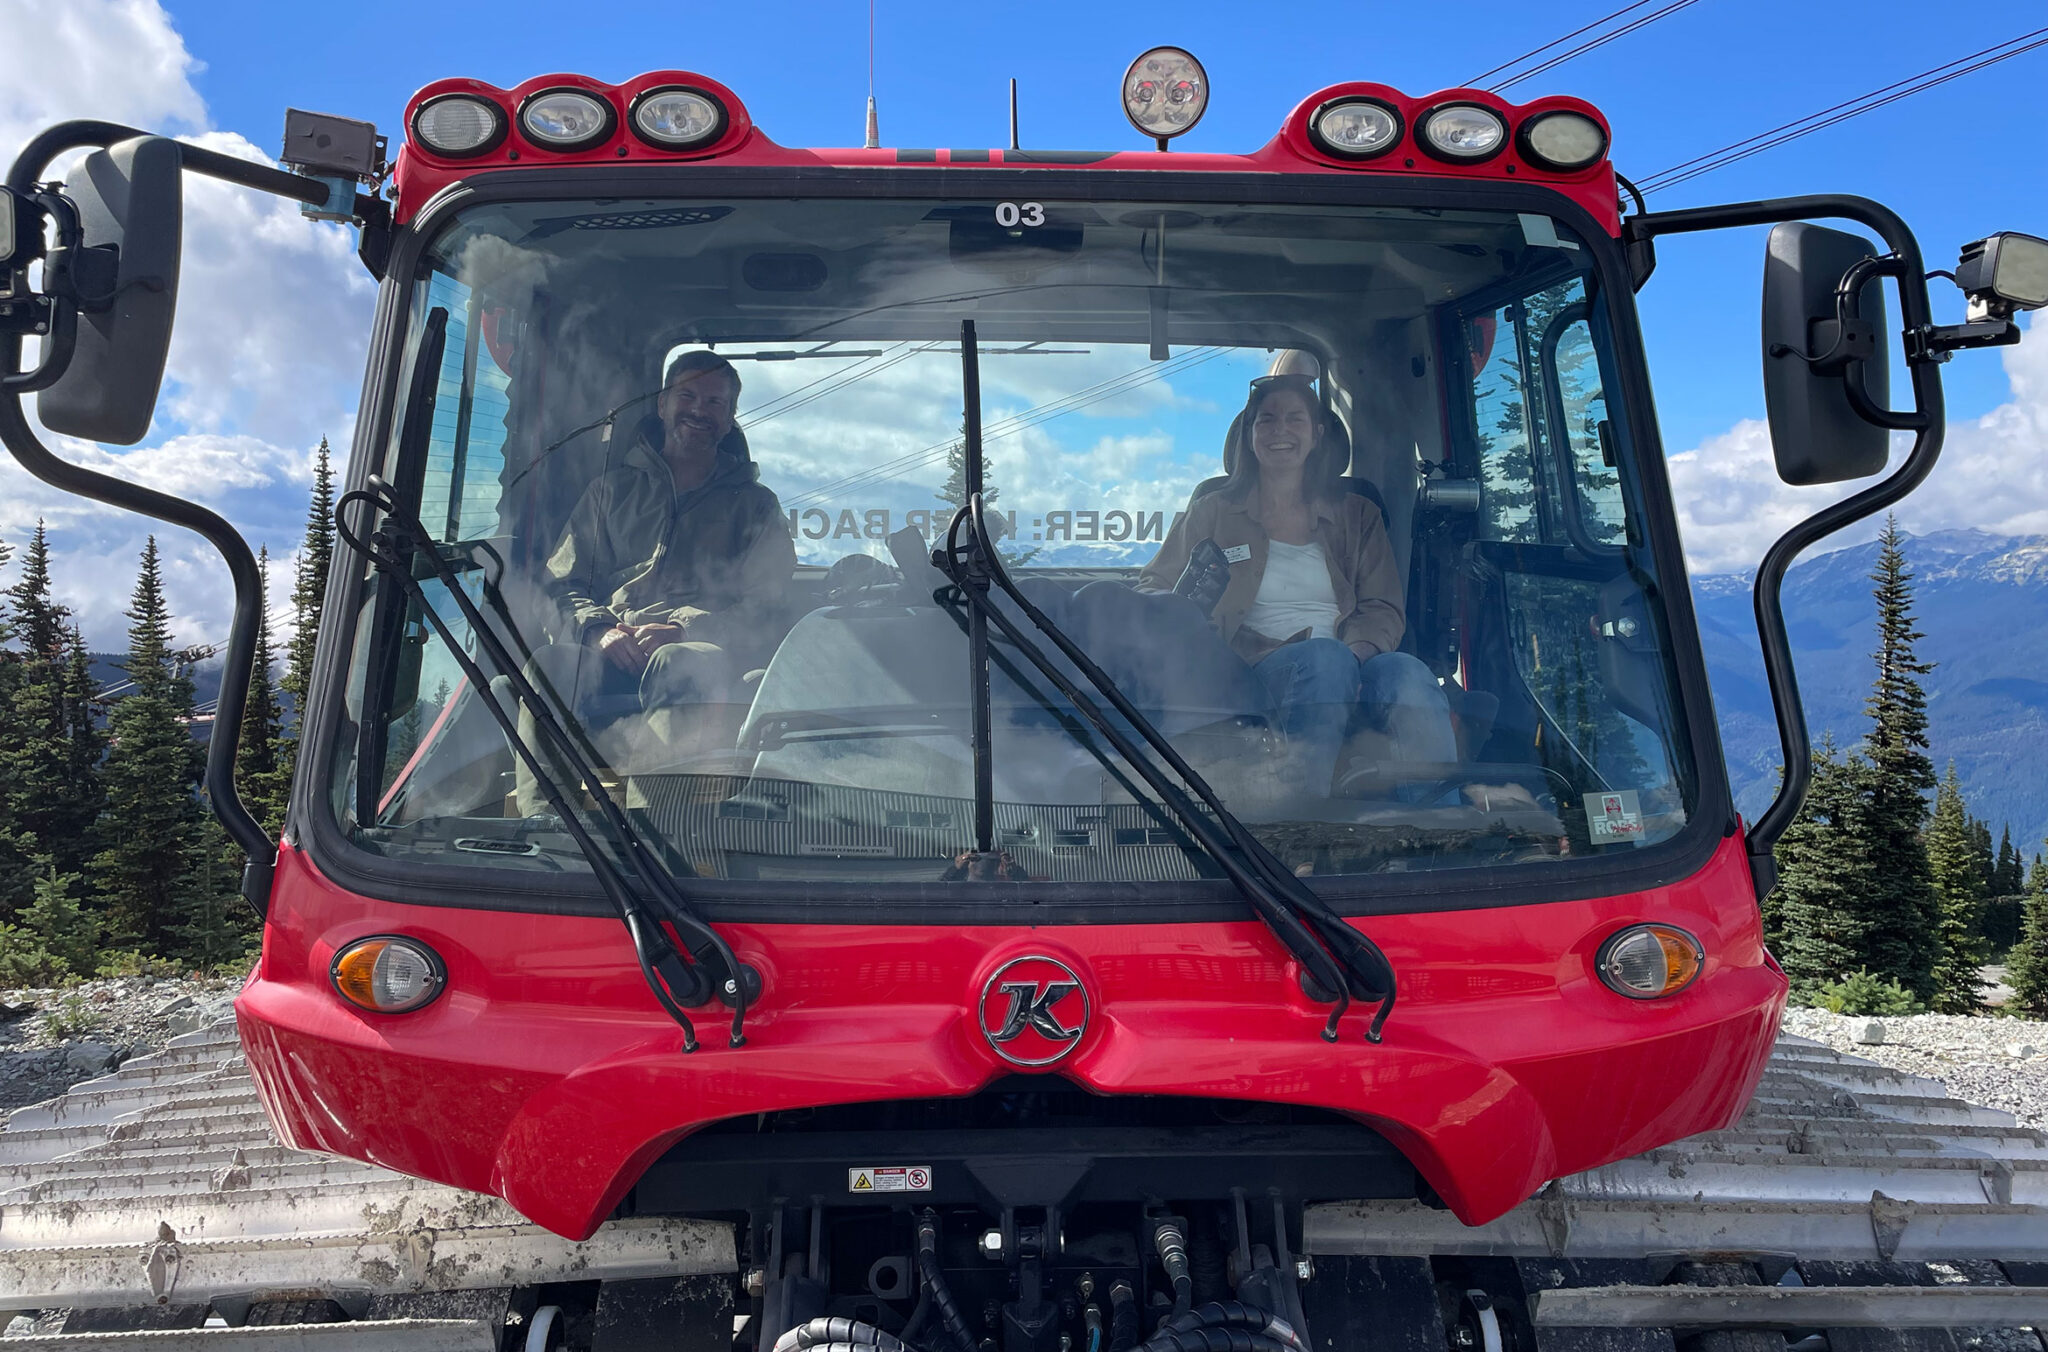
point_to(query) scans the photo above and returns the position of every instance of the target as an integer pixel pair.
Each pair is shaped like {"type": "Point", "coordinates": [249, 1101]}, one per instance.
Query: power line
{"type": "Point", "coordinates": [1881, 97]}
{"type": "Point", "coordinates": [1595, 43]}
{"type": "Point", "coordinates": [1554, 42]}
{"type": "Point", "coordinates": [1591, 45]}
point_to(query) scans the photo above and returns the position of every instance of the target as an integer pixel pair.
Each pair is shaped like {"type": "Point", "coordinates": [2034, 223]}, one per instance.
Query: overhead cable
{"type": "Point", "coordinates": [1884, 96]}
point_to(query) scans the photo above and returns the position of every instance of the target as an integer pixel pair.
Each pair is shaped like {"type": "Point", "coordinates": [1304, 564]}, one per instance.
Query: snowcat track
{"type": "Point", "coordinates": [155, 1196]}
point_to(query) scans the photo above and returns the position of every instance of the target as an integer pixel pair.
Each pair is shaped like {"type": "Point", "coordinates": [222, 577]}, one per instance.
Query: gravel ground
{"type": "Point", "coordinates": [52, 1039]}
{"type": "Point", "coordinates": [1971, 1054]}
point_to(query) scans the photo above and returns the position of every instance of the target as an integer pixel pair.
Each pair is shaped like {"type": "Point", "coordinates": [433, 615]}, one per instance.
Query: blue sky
{"type": "Point", "coordinates": [1957, 162]}
{"type": "Point", "coordinates": [274, 314]}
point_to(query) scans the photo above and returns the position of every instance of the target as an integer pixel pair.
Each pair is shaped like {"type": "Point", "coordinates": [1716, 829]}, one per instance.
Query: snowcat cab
{"type": "Point", "coordinates": [965, 952]}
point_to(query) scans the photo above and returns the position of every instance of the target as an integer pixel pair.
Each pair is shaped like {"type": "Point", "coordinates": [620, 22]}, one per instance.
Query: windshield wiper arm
{"type": "Point", "coordinates": [392, 547]}
{"type": "Point", "coordinates": [1341, 961]}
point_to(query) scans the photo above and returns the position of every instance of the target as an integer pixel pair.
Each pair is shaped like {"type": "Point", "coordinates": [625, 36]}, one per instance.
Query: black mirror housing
{"type": "Point", "coordinates": [1817, 435]}
{"type": "Point", "coordinates": [129, 196]}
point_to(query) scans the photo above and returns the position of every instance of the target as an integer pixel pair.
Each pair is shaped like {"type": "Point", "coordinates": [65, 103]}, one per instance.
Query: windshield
{"type": "Point", "coordinates": [1334, 494]}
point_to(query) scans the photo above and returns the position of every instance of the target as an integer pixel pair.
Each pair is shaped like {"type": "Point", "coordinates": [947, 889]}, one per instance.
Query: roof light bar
{"type": "Point", "coordinates": [678, 117]}
{"type": "Point", "coordinates": [566, 119]}
{"type": "Point", "coordinates": [1355, 128]}
{"type": "Point", "coordinates": [1561, 141]}
{"type": "Point", "coordinates": [1463, 133]}
{"type": "Point", "coordinates": [457, 126]}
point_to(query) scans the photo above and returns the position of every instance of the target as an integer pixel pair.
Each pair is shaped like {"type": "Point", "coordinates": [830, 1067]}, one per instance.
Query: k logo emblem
{"type": "Point", "coordinates": [1033, 1011]}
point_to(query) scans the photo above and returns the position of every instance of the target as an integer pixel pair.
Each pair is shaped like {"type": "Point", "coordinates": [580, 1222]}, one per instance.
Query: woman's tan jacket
{"type": "Point", "coordinates": [1354, 540]}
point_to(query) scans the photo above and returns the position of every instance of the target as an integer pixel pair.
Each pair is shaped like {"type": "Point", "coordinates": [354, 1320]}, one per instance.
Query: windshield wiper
{"type": "Point", "coordinates": [1338, 961]}
{"type": "Point", "coordinates": [677, 981]}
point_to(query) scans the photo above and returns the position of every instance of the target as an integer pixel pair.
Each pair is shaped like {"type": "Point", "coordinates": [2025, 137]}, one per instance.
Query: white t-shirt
{"type": "Point", "coordinates": [1295, 594]}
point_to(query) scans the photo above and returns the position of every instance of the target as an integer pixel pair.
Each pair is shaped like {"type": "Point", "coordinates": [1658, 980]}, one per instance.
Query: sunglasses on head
{"type": "Point", "coordinates": [1299, 381]}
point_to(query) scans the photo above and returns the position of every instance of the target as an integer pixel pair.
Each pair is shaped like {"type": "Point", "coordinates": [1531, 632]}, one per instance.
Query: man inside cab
{"type": "Point", "coordinates": [671, 576]}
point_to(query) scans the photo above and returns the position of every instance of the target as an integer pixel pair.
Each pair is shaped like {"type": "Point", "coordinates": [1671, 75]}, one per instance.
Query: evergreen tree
{"type": "Point", "coordinates": [51, 777]}
{"type": "Point", "coordinates": [2026, 967]}
{"type": "Point", "coordinates": [2007, 878]}
{"type": "Point", "coordinates": [1953, 855]}
{"type": "Point", "coordinates": [954, 494]}
{"type": "Point", "coordinates": [1900, 910]}
{"type": "Point", "coordinates": [259, 773]}
{"type": "Point", "coordinates": [152, 777]}
{"type": "Point", "coordinates": [212, 926]}
{"type": "Point", "coordinates": [59, 924]}
{"type": "Point", "coordinates": [1817, 919]}
{"type": "Point", "coordinates": [1982, 850]}
{"type": "Point", "coordinates": [309, 583]}
{"type": "Point", "coordinates": [16, 848]}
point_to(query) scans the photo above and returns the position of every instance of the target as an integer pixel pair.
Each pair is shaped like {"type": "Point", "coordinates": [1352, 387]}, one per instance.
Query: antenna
{"type": "Point", "coordinates": [874, 137]}
{"type": "Point", "coordinates": [1013, 113]}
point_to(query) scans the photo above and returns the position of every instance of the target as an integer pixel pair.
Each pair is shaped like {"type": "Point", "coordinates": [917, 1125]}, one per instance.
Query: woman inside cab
{"type": "Point", "coordinates": [1304, 588]}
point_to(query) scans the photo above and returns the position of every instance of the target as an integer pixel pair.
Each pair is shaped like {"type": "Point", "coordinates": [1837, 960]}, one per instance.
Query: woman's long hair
{"type": "Point", "coordinates": [1326, 464]}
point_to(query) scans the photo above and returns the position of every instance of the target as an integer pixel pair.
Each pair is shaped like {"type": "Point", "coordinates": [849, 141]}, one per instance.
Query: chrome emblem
{"type": "Point", "coordinates": [1033, 1011]}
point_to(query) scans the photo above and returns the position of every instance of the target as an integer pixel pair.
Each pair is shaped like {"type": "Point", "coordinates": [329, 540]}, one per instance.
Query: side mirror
{"type": "Point", "coordinates": [1810, 357]}
{"type": "Point", "coordinates": [129, 196]}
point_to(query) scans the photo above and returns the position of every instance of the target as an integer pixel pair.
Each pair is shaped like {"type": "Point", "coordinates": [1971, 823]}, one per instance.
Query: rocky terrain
{"type": "Point", "coordinates": [52, 1039]}
{"type": "Point", "coordinates": [1990, 1060]}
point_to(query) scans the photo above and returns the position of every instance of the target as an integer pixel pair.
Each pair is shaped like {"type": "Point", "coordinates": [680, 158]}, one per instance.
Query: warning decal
{"type": "Point", "coordinates": [890, 1178]}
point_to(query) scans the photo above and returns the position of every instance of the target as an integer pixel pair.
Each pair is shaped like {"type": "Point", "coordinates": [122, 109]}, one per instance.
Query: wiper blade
{"type": "Point", "coordinates": [1339, 960]}
{"type": "Point", "coordinates": [676, 981]}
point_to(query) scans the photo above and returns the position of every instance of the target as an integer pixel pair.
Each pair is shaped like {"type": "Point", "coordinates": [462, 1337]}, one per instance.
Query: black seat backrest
{"type": "Point", "coordinates": [1365, 488]}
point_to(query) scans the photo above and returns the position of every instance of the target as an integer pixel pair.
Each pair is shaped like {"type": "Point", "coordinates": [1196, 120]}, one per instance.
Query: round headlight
{"type": "Point", "coordinates": [1562, 140]}
{"type": "Point", "coordinates": [676, 118]}
{"type": "Point", "coordinates": [1355, 129]}
{"type": "Point", "coordinates": [456, 125]}
{"type": "Point", "coordinates": [565, 119]}
{"type": "Point", "coordinates": [1647, 962]}
{"type": "Point", "coordinates": [1165, 92]}
{"type": "Point", "coordinates": [388, 975]}
{"type": "Point", "coordinates": [1464, 132]}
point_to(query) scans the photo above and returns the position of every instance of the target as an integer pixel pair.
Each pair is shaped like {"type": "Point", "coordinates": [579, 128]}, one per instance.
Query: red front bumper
{"type": "Point", "coordinates": [545, 1073]}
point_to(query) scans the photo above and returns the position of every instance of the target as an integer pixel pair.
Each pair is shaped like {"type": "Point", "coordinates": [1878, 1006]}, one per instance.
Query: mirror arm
{"type": "Point", "coordinates": [20, 439]}
{"type": "Point", "coordinates": [1926, 421]}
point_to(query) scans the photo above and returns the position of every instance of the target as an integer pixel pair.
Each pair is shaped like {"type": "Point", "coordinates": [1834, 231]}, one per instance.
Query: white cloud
{"type": "Point", "coordinates": [1992, 476]}
{"type": "Point", "coordinates": [267, 356]}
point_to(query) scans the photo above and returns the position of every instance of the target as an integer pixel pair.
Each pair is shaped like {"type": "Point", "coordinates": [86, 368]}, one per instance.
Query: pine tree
{"type": "Point", "coordinates": [212, 926]}
{"type": "Point", "coordinates": [1954, 856]}
{"type": "Point", "coordinates": [15, 846]}
{"type": "Point", "coordinates": [52, 775]}
{"type": "Point", "coordinates": [1817, 919]}
{"type": "Point", "coordinates": [1900, 911]}
{"type": "Point", "coordinates": [57, 921]}
{"type": "Point", "coordinates": [954, 494]}
{"type": "Point", "coordinates": [258, 772]}
{"type": "Point", "coordinates": [309, 584]}
{"type": "Point", "coordinates": [2007, 879]}
{"type": "Point", "coordinates": [2026, 967]}
{"type": "Point", "coordinates": [152, 777]}
{"type": "Point", "coordinates": [1983, 852]}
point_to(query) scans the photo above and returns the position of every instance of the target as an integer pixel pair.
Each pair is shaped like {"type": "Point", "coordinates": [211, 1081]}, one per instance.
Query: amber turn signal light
{"type": "Point", "coordinates": [388, 975]}
{"type": "Point", "coordinates": [1648, 962]}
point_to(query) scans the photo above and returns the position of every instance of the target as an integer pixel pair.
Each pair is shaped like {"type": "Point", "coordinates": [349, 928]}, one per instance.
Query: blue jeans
{"type": "Point", "coordinates": [1317, 686]}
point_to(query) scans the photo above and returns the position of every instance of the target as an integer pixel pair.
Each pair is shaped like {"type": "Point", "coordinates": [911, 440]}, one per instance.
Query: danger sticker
{"type": "Point", "coordinates": [1614, 816]}
{"type": "Point", "coordinates": [890, 1178]}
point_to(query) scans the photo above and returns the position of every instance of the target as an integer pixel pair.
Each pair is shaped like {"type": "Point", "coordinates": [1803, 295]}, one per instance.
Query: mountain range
{"type": "Point", "coordinates": [1981, 602]}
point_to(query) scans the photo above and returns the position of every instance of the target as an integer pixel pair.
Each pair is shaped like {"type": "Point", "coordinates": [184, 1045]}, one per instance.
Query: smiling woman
{"type": "Point", "coordinates": [763, 658]}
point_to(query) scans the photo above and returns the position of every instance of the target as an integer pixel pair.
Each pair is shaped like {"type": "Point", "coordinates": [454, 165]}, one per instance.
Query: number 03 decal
{"type": "Point", "coordinates": [1019, 213]}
